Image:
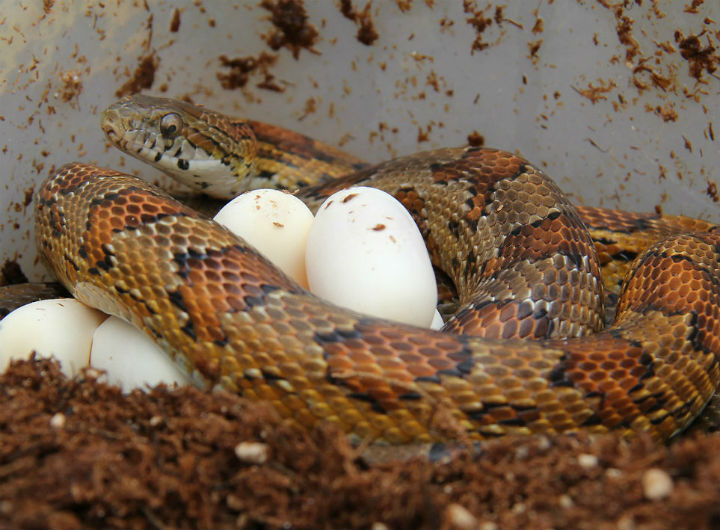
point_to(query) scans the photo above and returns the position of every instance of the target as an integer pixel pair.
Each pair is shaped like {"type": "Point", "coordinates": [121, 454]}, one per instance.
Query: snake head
{"type": "Point", "coordinates": [194, 145]}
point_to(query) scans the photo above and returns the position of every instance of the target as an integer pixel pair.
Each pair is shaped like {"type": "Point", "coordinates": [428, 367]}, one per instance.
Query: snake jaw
{"type": "Point", "coordinates": [110, 133]}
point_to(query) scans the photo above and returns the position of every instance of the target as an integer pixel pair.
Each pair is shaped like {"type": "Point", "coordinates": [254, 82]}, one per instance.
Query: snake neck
{"type": "Point", "coordinates": [288, 160]}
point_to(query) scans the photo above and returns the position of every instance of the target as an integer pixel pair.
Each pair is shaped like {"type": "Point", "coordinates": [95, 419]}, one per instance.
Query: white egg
{"type": "Point", "coordinates": [275, 223]}
{"type": "Point", "coordinates": [364, 252]}
{"type": "Point", "coordinates": [60, 328]}
{"type": "Point", "coordinates": [131, 359]}
{"type": "Point", "coordinates": [437, 321]}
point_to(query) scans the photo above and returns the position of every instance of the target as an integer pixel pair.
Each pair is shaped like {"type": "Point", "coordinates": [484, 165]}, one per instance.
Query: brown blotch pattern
{"type": "Point", "coordinates": [230, 317]}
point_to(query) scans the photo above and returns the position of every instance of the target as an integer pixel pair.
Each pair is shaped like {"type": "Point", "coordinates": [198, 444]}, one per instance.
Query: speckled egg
{"type": "Point", "coordinates": [364, 252]}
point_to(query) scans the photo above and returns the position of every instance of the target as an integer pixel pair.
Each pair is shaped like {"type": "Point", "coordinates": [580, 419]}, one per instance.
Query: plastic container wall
{"type": "Point", "coordinates": [618, 104]}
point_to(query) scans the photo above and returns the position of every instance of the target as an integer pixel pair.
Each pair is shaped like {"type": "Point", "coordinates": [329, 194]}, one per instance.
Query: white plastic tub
{"type": "Point", "coordinates": [643, 139]}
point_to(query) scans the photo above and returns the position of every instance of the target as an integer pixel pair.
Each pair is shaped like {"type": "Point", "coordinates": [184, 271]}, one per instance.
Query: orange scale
{"type": "Point", "coordinates": [230, 264]}
{"type": "Point", "coordinates": [497, 371]}
{"type": "Point", "coordinates": [438, 363]}
{"type": "Point", "coordinates": [426, 352]}
{"type": "Point", "coordinates": [391, 334]}
{"type": "Point", "coordinates": [402, 346]}
{"type": "Point", "coordinates": [179, 241]}
{"type": "Point", "coordinates": [508, 381]}
{"type": "Point", "coordinates": [509, 330]}
{"type": "Point", "coordinates": [502, 414]}
{"type": "Point", "coordinates": [337, 358]}
{"type": "Point", "coordinates": [703, 295]}
{"type": "Point", "coordinates": [675, 268]}
{"type": "Point", "coordinates": [492, 330]}
{"type": "Point", "coordinates": [612, 391]}
{"type": "Point", "coordinates": [526, 374]}
{"type": "Point", "coordinates": [619, 355]}
{"type": "Point", "coordinates": [382, 393]}
{"type": "Point", "coordinates": [412, 358]}
{"type": "Point", "coordinates": [217, 289]}
{"type": "Point", "coordinates": [513, 362]}
{"type": "Point", "coordinates": [618, 375]}
{"type": "Point", "coordinates": [654, 273]}
{"type": "Point", "coordinates": [249, 278]}
{"type": "Point", "coordinates": [627, 409]}
{"type": "Point", "coordinates": [679, 332]}
{"type": "Point", "coordinates": [678, 343]}
{"type": "Point", "coordinates": [608, 366]}
{"type": "Point", "coordinates": [196, 241]}
{"type": "Point", "coordinates": [230, 277]}
{"type": "Point", "coordinates": [211, 276]}
{"type": "Point", "coordinates": [106, 225]}
{"type": "Point", "coordinates": [698, 284]}
{"type": "Point", "coordinates": [118, 223]}
{"type": "Point", "coordinates": [507, 312]}
{"type": "Point", "coordinates": [161, 239]}
{"type": "Point", "coordinates": [148, 208]}
{"type": "Point", "coordinates": [629, 381]}
{"type": "Point", "coordinates": [526, 328]}
{"type": "Point", "coordinates": [629, 363]}
{"type": "Point", "coordinates": [138, 199]}
{"type": "Point", "coordinates": [363, 358]}
{"type": "Point", "coordinates": [402, 374]}
{"type": "Point", "coordinates": [420, 370]}
{"type": "Point", "coordinates": [595, 375]}
{"type": "Point", "coordinates": [232, 290]}
{"type": "Point", "coordinates": [181, 230]}
{"type": "Point", "coordinates": [191, 302]}
{"type": "Point", "coordinates": [380, 351]}
{"type": "Point", "coordinates": [447, 347]}
{"type": "Point", "coordinates": [392, 363]}
{"type": "Point", "coordinates": [220, 304]}
{"type": "Point", "coordinates": [118, 210]}
{"type": "Point", "coordinates": [214, 263]}
{"type": "Point", "coordinates": [596, 356]}
{"type": "Point", "coordinates": [418, 339]}
{"type": "Point", "coordinates": [300, 326]}
{"type": "Point", "coordinates": [215, 334]}
{"type": "Point", "coordinates": [684, 290]}
{"type": "Point", "coordinates": [367, 336]}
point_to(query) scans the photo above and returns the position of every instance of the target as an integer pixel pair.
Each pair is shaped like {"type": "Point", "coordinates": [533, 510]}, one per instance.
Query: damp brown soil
{"type": "Point", "coordinates": [77, 453]}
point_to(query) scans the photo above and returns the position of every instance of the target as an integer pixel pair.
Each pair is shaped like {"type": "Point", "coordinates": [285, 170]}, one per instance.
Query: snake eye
{"type": "Point", "coordinates": [170, 125]}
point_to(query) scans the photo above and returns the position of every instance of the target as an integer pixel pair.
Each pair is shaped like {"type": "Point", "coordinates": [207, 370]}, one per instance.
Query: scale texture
{"type": "Point", "coordinates": [518, 253]}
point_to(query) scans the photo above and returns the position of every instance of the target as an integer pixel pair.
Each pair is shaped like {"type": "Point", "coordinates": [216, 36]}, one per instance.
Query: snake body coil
{"type": "Point", "coordinates": [518, 253]}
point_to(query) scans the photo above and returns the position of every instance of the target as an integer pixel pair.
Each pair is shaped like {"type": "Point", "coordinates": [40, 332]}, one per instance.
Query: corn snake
{"type": "Point", "coordinates": [518, 252]}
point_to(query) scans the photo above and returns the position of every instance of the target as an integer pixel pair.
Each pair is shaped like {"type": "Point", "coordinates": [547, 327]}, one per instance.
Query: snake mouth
{"type": "Point", "coordinates": [126, 140]}
{"type": "Point", "coordinates": [111, 134]}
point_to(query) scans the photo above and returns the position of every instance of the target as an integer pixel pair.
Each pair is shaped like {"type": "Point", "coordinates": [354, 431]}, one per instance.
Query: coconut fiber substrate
{"type": "Point", "coordinates": [80, 454]}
